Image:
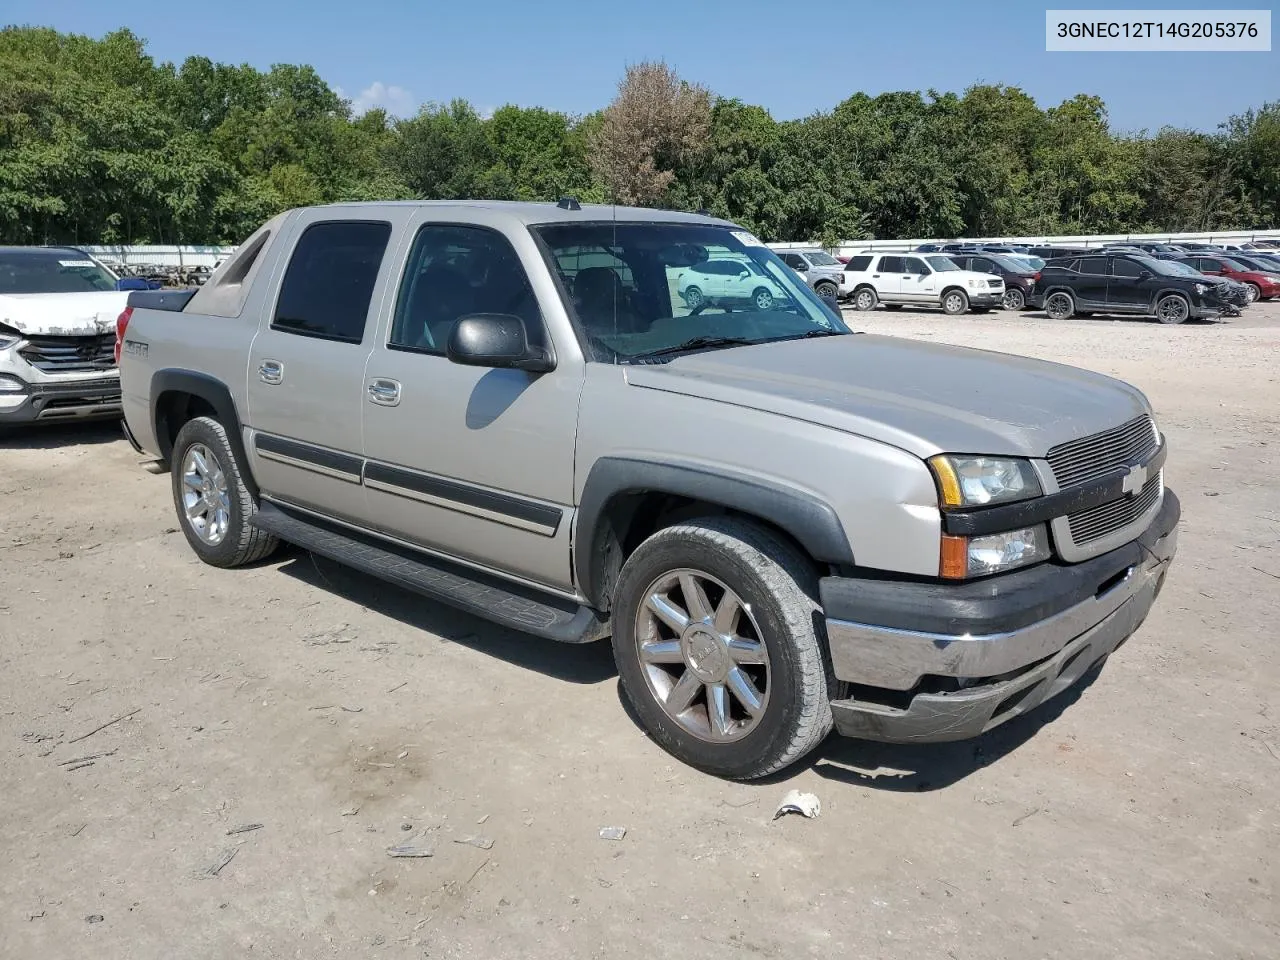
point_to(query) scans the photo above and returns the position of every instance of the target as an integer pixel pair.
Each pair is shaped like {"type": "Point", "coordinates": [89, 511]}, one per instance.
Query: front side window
{"type": "Point", "coordinates": [669, 287]}
{"type": "Point", "coordinates": [455, 270]}
{"type": "Point", "coordinates": [330, 279]}
{"type": "Point", "coordinates": [52, 271]}
{"type": "Point", "coordinates": [1125, 268]}
{"type": "Point", "coordinates": [914, 266]}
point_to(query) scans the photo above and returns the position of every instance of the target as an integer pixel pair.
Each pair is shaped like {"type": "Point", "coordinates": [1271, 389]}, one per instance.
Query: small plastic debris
{"type": "Point", "coordinates": [409, 850]}
{"type": "Point", "coordinates": [406, 827]}
{"type": "Point", "coordinates": [225, 857]}
{"type": "Point", "coordinates": [244, 828]}
{"type": "Point", "coordinates": [482, 819]}
{"type": "Point", "coordinates": [612, 833]}
{"type": "Point", "coordinates": [805, 804]}
{"type": "Point", "coordinates": [94, 918]}
{"type": "Point", "coordinates": [484, 843]}
{"type": "Point", "coordinates": [351, 811]}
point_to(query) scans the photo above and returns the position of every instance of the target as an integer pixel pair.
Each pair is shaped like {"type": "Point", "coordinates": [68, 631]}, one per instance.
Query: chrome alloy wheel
{"type": "Point", "coordinates": [205, 500]}
{"type": "Point", "coordinates": [703, 655]}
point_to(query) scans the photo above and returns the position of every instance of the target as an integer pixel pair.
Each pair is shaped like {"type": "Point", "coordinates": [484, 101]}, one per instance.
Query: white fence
{"type": "Point", "coordinates": [185, 255]}
{"type": "Point", "coordinates": [1237, 236]}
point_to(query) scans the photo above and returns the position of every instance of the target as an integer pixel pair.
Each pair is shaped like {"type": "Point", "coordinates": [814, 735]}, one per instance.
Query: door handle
{"type": "Point", "coordinates": [271, 371]}
{"type": "Point", "coordinates": [875, 276]}
{"type": "Point", "coordinates": [384, 392]}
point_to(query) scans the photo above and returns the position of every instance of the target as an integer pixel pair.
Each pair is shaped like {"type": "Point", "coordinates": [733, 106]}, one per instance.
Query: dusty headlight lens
{"type": "Point", "coordinates": [979, 481]}
{"type": "Point", "coordinates": [964, 557]}
{"type": "Point", "coordinates": [10, 384]}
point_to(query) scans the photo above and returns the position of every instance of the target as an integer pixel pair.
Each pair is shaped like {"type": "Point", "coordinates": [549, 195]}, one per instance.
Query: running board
{"type": "Point", "coordinates": [485, 596]}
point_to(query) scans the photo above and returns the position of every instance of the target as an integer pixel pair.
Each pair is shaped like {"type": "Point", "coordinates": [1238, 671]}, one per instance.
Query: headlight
{"type": "Point", "coordinates": [8, 336]}
{"type": "Point", "coordinates": [972, 283]}
{"type": "Point", "coordinates": [979, 481]}
{"type": "Point", "coordinates": [10, 384]}
{"type": "Point", "coordinates": [965, 557]}
{"type": "Point", "coordinates": [1201, 289]}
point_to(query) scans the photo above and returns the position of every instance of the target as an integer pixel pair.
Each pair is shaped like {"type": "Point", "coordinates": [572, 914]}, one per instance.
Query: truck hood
{"type": "Point", "coordinates": [921, 397]}
{"type": "Point", "coordinates": [63, 314]}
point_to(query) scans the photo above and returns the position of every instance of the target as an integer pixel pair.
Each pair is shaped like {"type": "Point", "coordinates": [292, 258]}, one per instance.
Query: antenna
{"type": "Point", "coordinates": [569, 203]}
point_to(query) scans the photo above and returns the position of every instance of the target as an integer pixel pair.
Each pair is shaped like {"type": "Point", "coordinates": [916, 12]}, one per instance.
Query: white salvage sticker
{"type": "Point", "coordinates": [746, 239]}
{"type": "Point", "coordinates": [76, 263]}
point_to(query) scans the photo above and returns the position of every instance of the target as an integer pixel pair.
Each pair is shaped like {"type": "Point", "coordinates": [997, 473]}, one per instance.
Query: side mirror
{"type": "Point", "coordinates": [1144, 275]}
{"type": "Point", "coordinates": [495, 340]}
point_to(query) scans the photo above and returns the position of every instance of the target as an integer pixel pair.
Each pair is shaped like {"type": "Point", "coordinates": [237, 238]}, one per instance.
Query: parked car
{"type": "Point", "coordinates": [928, 248]}
{"type": "Point", "coordinates": [783, 526]}
{"type": "Point", "coordinates": [1235, 295]}
{"type": "Point", "coordinates": [1019, 279]}
{"type": "Point", "coordinates": [821, 271]}
{"type": "Point", "coordinates": [57, 319]}
{"type": "Point", "coordinates": [1123, 283]}
{"type": "Point", "coordinates": [1035, 263]}
{"type": "Point", "coordinates": [931, 280]}
{"type": "Point", "coordinates": [1262, 286]}
{"type": "Point", "coordinates": [728, 283]}
{"type": "Point", "coordinates": [1260, 261]}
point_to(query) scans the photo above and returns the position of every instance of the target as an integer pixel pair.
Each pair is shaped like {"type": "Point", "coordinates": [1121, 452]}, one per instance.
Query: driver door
{"type": "Point", "coordinates": [917, 281]}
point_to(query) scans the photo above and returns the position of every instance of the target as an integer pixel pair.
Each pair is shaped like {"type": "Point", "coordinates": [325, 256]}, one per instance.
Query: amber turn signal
{"type": "Point", "coordinates": [953, 559]}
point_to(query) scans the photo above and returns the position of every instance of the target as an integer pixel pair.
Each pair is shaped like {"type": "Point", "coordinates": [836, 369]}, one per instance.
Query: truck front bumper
{"type": "Point", "coordinates": [932, 662]}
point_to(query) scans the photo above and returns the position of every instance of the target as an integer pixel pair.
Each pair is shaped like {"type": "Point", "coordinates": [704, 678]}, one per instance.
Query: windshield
{"type": "Point", "coordinates": [1010, 263]}
{"type": "Point", "coordinates": [1176, 269]}
{"type": "Point", "coordinates": [941, 264]}
{"type": "Point", "coordinates": [1162, 267]}
{"type": "Point", "coordinates": [646, 290]}
{"type": "Point", "coordinates": [52, 271]}
{"type": "Point", "coordinates": [1230, 264]}
{"type": "Point", "coordinates": [820, 259]}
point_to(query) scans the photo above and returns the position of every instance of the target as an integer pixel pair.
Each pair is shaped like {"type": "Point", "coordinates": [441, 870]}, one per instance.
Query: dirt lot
{"type": "Point", "coordinates": [1136, 817]}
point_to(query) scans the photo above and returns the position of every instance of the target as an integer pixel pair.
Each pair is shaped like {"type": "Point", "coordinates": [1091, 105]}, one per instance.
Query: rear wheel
{"type": "Point", "coordinates": [1059, 306]}
{"type": "Point", "coordinates": [717, 649]}
{"type": "Point", "coordinates": [1173, 309]}
{"type": "Point", "coordinates": [955, 302]}
{"type": "Point", "coordinates": [693, 297]}
{"type": "Point", "coordinates": [865, 299]}
{"type": "Point", "coordinates": [1014, 299]}
{"type": "Point", "coordinates": [214, 505]}
{"type": "Point", "coordinates": [762, 299]}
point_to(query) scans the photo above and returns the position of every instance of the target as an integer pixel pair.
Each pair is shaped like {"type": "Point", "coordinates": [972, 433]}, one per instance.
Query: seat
{"type": "Point", "coordinates": [441, 295]}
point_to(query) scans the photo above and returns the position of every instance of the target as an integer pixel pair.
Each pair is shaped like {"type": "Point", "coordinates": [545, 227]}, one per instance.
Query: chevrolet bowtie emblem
{"type": "Point", "coordinates": [1134, 481]}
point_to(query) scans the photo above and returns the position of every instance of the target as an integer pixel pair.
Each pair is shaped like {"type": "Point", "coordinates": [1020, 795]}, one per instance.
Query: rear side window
{"type": "Point", "coordinates": [891, 264]}
{"type": "Point", "coordinates": [982, 265]}
{"type": "Point", "coordinates": [1093, 266]}
{"type": "Point", "coordinates": [1208, 263]}
{"type": "Point", "coordinates": [858, 264]}
{"type": "Point", "coordinates": [1125, 268]}
{"type": "Point", "coordinates": [329, 282]}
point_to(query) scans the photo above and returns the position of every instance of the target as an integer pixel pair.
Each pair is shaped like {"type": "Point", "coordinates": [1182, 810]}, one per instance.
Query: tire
{"type": "Point", "coordinates": [827, 290]}
{"type": "Point", "coordinates": [762, 299]}
{"type": "Point", "coordinates": [1253, 293]}
{"type": "Point", "coordinates": [1173, 309]}
{"type": "Point", "coordinates": [1059, 305]}
{"type": "Point", "coordinates": [1014, 299]}
{"type": "Point", "coordinates": [693, 297]}
{"type": "Point", "coordinates": [955, 302]}
{"type": "Point", "coordinates": [865, 298]}
{"type": "Point", "coordinates": [779, 649]}
{"type": "Point", "coordinates": [225, 538]}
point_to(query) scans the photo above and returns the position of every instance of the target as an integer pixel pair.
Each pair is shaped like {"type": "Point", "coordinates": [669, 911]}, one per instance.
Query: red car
{"type": "Point", "coordinates": [1262, 286]}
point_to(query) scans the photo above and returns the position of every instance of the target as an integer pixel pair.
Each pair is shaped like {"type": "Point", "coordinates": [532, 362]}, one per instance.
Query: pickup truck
{"type": "Point", "coordinates": [783, 525]}
{"type": "Point", "coordinates": [58, 308]}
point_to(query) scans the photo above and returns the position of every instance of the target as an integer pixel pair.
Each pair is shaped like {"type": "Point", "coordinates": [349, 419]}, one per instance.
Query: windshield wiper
{"type": "Point", "coordinates": [695, 343]}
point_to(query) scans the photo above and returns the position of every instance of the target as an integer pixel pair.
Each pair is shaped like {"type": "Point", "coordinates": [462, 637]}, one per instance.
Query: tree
{"type": "Point", "coordinates": [656, 124]}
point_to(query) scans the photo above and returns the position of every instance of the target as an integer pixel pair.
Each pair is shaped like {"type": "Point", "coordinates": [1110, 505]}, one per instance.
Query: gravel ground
{"type": "Point", "coordinates": [1133, 817]}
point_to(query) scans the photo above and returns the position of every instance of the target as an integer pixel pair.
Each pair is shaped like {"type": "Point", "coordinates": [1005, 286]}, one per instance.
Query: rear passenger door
{"type": "Point", "coordinates": [1091, 282]}
{"type": "Point", "coordinates": [306, 365]}
{"type": "Point", "coordinates": [887, 278]}
{"type": "Point", "coordinates": [472, 462]}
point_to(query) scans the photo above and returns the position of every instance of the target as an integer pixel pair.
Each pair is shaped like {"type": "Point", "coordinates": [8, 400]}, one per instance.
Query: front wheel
{"type": "Point", "coordinates": [1014, 299]}
{"type": "Point", "coordinates": [865, 299]}
{"type": "Point", "coordinates": [762, 299]}
{"type": "Point", "coordinates": [1252, 293]}
{"type": "Point", "coordinates": [827, 290]}
{"type": "Point", "coordinates": [1059, 306]}
{"type": "Point", "coordinates": [955, 302]}
{"type": "Point", "coordinates": [1172, 309]}
{"type": "Point", "coordinates": [717, 648]}
{"type": "Point", "coordinates": [214, 505]}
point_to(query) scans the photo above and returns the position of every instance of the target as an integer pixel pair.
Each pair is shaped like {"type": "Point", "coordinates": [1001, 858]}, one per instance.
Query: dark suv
{"type": "Point", "coordinates": [1123, 283]}
{"type": "Point", "coordinates": [1019, 279]}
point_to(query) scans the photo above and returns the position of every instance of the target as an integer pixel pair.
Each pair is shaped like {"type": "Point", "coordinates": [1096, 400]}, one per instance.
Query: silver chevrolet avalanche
{"type": "Point", "coordinates": [785, 526]}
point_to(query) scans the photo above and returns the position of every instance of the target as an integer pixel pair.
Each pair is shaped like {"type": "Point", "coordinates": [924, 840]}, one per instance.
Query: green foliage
{"type": "Point", "coordinates": [98, 143]}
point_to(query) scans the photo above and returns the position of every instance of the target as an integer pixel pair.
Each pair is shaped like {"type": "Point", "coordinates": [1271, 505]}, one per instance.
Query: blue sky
{"type": "Point", "coordinates": [793, 59]}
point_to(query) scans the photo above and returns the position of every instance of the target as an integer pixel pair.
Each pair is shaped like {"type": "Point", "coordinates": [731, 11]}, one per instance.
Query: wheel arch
{"type": "Point", "coordinates": [181, 395]}
{"type": "Point", "coordinates": [625, 499]}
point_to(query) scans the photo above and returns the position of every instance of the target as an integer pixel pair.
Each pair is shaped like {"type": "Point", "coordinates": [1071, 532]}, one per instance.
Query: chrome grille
{"type": "Point", "coordinates": [70, 354]}
{"type": "Point", "coordinates": [1096, 522]}
{"type": "Point", "coordinates": [1079, 460]}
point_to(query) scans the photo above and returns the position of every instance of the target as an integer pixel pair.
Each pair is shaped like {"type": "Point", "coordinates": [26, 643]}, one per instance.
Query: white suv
{"type": "Point", "coordinates": [930, 279]}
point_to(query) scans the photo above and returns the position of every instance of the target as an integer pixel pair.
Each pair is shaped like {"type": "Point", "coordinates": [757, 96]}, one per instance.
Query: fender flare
{"type": "Point", "coordinates": [214, 392]}
{"type": "Point", "coordinates": [812, 522]}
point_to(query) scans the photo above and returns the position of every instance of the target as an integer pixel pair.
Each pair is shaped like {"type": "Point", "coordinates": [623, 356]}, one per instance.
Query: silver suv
{"type": "Point", "coordinates": [820, 270]}
{"type": "Point", "coordinates": [784, 526]}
